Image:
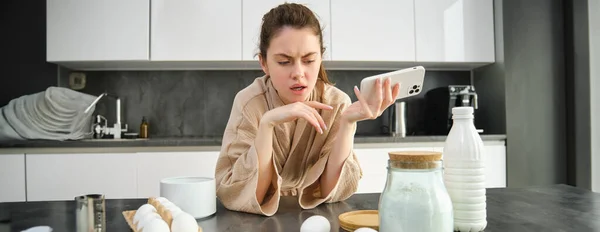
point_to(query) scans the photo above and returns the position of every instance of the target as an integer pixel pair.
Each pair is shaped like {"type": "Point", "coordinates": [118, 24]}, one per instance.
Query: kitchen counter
{"type": "Point", "coordinates": [201, 141]}
{"type": "Point", "coordinates": [545, 208]}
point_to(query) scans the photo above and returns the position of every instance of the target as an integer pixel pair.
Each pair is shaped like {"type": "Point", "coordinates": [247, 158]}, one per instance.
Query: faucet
{"type": "Point", "coordinates": [117, 129]}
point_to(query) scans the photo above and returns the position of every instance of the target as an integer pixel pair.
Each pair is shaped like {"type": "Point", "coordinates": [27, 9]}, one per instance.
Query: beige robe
{"type": "Point", "coordinates": [300, 153]}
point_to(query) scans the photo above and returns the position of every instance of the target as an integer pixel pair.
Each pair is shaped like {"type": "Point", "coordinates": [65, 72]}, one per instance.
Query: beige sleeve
{"type": "Point", "coordinates": [237, 167]}
{"type": "Point", "coordinates": [310, 193]}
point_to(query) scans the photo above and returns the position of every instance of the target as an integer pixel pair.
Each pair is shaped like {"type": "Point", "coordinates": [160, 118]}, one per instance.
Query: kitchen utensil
{"type": "Point", "coordinates": [194, 195]}
{"type": "Point", "coordinates": [351, 221]}
{"type": "Point", "coordinates": [439, 104]}
{"type": "Point", "coordinates": [90, 213]}
{"type": "Point", "coordinates": [399, 119]}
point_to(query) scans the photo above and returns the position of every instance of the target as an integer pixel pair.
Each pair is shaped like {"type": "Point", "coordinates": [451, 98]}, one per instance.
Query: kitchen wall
{"type": "Point", "coordinates": [583, 24]}
{"type": "Point", "coordinates": [23, 46]}
{"type": "Point", "coordinates": [491, 80]}
{"type": "Point", "coordinates": [528, 81]}
{"type": "Point", "coordinates": [594, 27]}
{"type": "Point", "coordinates": [198, 103]}
{"type": "Point", "coordinates": [179, 103]}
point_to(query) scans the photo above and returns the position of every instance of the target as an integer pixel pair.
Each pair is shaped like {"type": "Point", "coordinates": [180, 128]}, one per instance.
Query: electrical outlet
{"type": "Point", "coordinates": [77, 80]}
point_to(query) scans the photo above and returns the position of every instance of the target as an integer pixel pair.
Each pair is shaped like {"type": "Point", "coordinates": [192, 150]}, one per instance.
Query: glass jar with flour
{"type": "Point", "coordinates": [414, 197]}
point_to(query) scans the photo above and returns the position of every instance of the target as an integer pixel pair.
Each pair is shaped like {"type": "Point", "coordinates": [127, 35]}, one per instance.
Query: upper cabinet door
{"type": "Point", "coordinates": [108, 30]}
{"type": "Point", "coordinates": [192, 30]}
{"type": "Point", "coordinates": [455, 30]}
{"type": "Point", "coordinates": [376, 30]}
{"type": "Point", "coordinates": [253, 12]}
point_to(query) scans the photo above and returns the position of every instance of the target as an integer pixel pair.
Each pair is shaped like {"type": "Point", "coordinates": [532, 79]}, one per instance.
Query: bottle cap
{"type": "Point", "coordinates": [462, 110]}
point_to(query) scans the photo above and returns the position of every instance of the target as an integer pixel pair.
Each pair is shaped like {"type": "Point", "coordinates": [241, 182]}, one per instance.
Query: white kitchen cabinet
{"type": "Point", "coordinates": [196, 30]}
{"type": "Point", "coordinates": [12, 178]}
{"type": "Point", "coordinates": [65, 176]}
{"type": "Point", "coordinates": [377, 30]}
{"type": "Point", "coordinates": [495, 166]}
{"type": "Point", "coordinates": [154, 166]}
{"type": "Point", "coordinates": [253, 12]}
{"type": "Point", "coordinates": [203, 34]}
{"type": "Point", "coordinates": [374, 162]}
{"type": "Point", "coordinates": [454, 30]}
{"type": "Point", "coordinates": [110, 30]}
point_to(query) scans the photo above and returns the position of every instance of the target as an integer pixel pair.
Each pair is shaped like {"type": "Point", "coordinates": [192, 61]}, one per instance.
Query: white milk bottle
{"type": "Point", "coordinates": [464, 172]}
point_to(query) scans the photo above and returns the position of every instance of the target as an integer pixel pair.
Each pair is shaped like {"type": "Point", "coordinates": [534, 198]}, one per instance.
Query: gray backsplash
{"type": "Point", "coordinates": [198, 103]}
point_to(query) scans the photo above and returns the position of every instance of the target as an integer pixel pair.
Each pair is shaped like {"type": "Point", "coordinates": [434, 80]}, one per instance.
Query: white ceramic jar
{"type": "Point", "coordinates": [194, 195]}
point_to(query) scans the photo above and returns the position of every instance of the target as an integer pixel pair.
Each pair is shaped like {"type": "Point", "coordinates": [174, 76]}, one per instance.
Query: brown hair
{"type": "Point", "coordinates": [295, 15]}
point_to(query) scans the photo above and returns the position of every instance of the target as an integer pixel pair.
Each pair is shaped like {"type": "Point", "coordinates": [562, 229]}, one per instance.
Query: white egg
{"type": "Point", "coordinates": [170, 206]}
{"type": "Point", "coordinates": [147, 218]}
{"type": "Point", "coordinates": [167, 203]}
{"type": "Point", "coordinates": [156, 225]}
{"type": "Point", "coordinates": [176, 211]}
{"type": "Point", "coordinates": [315, 223]}
{"type": "Point", "coordinates": [143, 210]}
{"type": "Point", "coordinates": [365, 229]}
{"type": "Point", "coordinates": [184, 222]}
{"type": "Point", "coordinates": [162, 200]}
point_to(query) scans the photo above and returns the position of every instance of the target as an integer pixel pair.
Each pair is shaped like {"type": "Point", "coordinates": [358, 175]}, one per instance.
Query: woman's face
{"type": "Point", "coordinates": [293, 61]}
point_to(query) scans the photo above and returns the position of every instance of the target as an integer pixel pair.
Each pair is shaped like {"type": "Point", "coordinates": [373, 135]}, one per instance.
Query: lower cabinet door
{"type": "Point", "coordinates": [53, 177]}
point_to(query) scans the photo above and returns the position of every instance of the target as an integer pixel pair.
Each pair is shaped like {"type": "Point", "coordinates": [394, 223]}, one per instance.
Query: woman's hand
{"type": "Point", "coordinates": [371, 107]}
{"type": "Point", "coordinates": [306, 110]}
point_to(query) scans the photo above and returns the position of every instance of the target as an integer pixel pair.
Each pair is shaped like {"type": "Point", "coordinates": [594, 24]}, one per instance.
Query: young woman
{"type": "Point", "coordinates": [291, 132]}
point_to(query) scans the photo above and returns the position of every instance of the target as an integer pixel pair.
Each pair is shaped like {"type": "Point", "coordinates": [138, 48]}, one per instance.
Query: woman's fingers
{"type": "Point", "coordinates": [318, 117]}
{"type": "Point", "coordinates": [378, 93]}
{"type": "Point", "coordinates": [318, 105]}
{"type": "Point", "coordinates": [312, 120]}
{"type": "Point", "coordinates": [395, 91]}
{"type": "Point", "coordinates": [313, 105]}
{"type": "Point", "coordinates": [391, 93]}
{"type": "Point", "coordinates": [362, 101]}
{"type": "Point", "coordinates": [387, 100]}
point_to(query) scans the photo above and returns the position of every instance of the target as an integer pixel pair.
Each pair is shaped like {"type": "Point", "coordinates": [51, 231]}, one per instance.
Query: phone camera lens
{"type": "Point", "coordinates": [415, 86]}
{"type": "Point", "coordinates": [416, 90]}
{"type": "Point", "coordinates": [411, 92]}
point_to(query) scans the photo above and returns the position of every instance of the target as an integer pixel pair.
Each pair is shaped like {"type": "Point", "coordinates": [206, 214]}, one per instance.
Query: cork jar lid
{"type": "Point", "coordinates": [415, 156]}
{"type": "Point", "coordinates": [415, 159]}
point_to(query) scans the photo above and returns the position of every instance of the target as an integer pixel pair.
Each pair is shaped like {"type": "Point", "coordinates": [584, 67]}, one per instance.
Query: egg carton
{"type": "Point", "coordinates": [160, 209]}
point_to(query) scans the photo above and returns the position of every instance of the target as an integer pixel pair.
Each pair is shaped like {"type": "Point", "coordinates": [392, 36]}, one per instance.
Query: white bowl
{"type": "Point", "coordinates": [194, 195]}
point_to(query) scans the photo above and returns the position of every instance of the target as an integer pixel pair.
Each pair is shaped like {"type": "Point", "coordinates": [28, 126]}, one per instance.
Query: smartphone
{"type": "Point", "coordinates": [410, 79]}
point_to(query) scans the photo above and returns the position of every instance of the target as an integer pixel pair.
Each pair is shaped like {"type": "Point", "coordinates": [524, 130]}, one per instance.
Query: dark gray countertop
{"type": "Point", "coordinates": [546, 208]}
{"type": "Point", "coordinates": [200, 141]}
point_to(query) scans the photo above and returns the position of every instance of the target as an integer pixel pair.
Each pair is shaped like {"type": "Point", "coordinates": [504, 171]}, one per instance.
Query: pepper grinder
{"type": "Point", "coordinates": [398, 120]}
{"type": "Point", "coordinates": [90, 213]}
